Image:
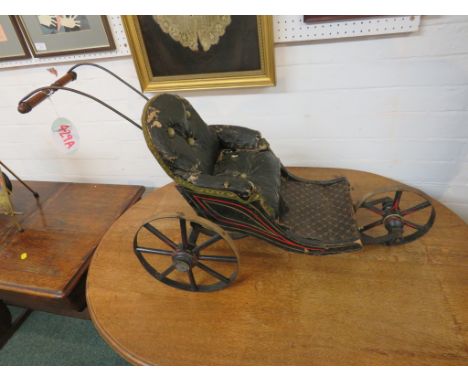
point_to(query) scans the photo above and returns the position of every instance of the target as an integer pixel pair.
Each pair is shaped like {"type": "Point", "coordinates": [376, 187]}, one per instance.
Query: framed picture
{"type": "Point", "coordinates": [56, 35]}
{"type": "Point", "coordinates": [201, 52]}
{"type": "Point", "coordinates": [12, 44]}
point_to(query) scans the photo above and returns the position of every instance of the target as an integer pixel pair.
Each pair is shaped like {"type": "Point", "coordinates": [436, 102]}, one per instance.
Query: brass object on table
{"type": "Point", "coordinates": [6, 189]}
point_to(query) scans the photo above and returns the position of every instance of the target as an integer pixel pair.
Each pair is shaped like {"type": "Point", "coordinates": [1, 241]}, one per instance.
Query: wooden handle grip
{"type": "Point", "coordinates": [29, 104]}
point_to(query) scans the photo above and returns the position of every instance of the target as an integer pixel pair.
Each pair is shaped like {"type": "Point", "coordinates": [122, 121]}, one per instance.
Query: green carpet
{"type": "Point", "coordinates": [47, 339]}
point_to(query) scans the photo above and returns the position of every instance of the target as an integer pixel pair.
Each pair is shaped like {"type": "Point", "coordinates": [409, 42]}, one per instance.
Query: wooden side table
{"type": "Point", "coordinates": [403, 305]}
{"type": "Point", "coordinates": [45, 266]}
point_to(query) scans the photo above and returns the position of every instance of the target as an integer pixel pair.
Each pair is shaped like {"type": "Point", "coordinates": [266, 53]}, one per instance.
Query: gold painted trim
{"type": "Point", "coordinates": [266, 76]}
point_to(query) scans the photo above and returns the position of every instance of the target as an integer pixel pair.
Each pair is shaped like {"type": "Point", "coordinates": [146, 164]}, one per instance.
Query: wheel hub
{"type": "Point", "coordinates": [183, 260]}
{"type": "Point", "coordinates": [393, 222]}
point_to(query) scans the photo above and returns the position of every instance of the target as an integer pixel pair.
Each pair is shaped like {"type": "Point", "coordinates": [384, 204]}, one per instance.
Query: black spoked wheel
{"type": "Point", "coordinates": [394, 216]}
{"type": "Point", "coordinates": [7, 181]}
{"type": "Point", "coordinates": [188, 253]}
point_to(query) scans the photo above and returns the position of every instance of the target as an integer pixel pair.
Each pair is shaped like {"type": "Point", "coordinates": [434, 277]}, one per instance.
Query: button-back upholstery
{"type": "Point", "coordinates": [220, 157]}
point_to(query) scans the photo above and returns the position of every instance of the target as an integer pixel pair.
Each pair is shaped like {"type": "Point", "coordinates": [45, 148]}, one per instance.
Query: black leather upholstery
{"type": "Point", "coordinates": [236, 137]}
{"type": "Point", "coordinates": [261, 168]}
{"type": "Point", "coordinates": [222, 157]}
{"type": "Point", "coordinates": [186, 144]}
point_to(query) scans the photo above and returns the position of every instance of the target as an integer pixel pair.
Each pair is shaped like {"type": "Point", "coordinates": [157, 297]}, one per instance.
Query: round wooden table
{"type": "Point", "coordinates": [384, 305]}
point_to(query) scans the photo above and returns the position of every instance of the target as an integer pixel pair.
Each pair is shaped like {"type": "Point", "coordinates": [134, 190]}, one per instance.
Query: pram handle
{"type": "Point", "coordinates": [34, 98]}
{"type": "Point", "coordinates": [27, 105]}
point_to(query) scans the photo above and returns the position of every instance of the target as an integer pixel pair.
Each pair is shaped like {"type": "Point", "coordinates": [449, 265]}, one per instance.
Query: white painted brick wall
{"type": "Point", "coordinates": [396, 106]}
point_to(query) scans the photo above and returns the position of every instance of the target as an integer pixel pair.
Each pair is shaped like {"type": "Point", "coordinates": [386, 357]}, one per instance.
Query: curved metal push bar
{"type": "Point", "coordinates": [34, 98]}
{"type": "Point", "coordinates": [112, 74]}
{"type": "Point", "coordinates": [49, 90]}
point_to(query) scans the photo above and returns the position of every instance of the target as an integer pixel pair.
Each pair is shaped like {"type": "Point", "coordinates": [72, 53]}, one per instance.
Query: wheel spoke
{"type": "Point", "coordinates": [371, 225]}
{"type": "Point", "coordinates": [213, 273]}
{"type": "Point", "coordinates": [377, 201]}
{"type": "Point", "coordinates": [160, 235]}
{"type": "Point", "coordinates": [155, 251]}
{"type": "Point", "coordinates": [183, 232]}
{"type": "Point", "coordinates": [193, 284]}
{"type": "Point", "coordinates": [193, 237]}
{"type": "Point", "coordinates": [417, 207]}
{"type": "Point", "coordinates": [207, 243]}
{"type": "Point", "coordinates": [224, 259]}
{"type": "Point", "coordinates": [396, 200]}
{"type": "Point", "coordinates": [413, 225]}
{"type": "Point", "coordinates": [168, 271]}
{"type": "Point", "coordinates": [373, 209]}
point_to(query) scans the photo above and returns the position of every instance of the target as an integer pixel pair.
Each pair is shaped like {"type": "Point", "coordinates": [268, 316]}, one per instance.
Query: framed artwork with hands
{"type": "Point", "coordinates": [55, 35]}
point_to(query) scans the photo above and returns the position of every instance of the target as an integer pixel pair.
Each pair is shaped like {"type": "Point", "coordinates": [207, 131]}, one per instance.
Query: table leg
{"type": "Point", "coordinates": [7, 326]}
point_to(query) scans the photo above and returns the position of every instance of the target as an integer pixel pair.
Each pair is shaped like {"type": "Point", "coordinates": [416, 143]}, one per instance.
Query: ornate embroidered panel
{"type": "Point", "coordinates": [194, 31]}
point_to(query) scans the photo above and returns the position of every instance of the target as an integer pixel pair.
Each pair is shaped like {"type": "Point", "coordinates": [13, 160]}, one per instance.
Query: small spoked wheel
{"type": "Point", "coordinates": [188, 253]}
{"type": "Point", "coordinates": [394, 216]}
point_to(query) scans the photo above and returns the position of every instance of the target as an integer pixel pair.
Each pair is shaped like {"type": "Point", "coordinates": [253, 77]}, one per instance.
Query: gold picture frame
{"type": "Point", "coordinates": [262, 75]}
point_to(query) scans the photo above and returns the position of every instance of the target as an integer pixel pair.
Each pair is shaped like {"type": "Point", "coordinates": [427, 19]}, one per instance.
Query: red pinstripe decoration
{"type": "Point", "coordinates": [274, 235]}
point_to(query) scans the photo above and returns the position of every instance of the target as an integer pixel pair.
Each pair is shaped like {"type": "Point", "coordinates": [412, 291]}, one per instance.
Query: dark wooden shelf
{"type": "Point", "coordinates": [61, 231]}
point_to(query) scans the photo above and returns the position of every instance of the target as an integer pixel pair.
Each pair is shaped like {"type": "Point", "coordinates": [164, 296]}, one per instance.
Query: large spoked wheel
{"type": "Point", "coordinates": [7, 181]}
{"type": "Point", "coordinates": [188, 253]}
{"type": "Point", "coordinates": [394, 216]}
